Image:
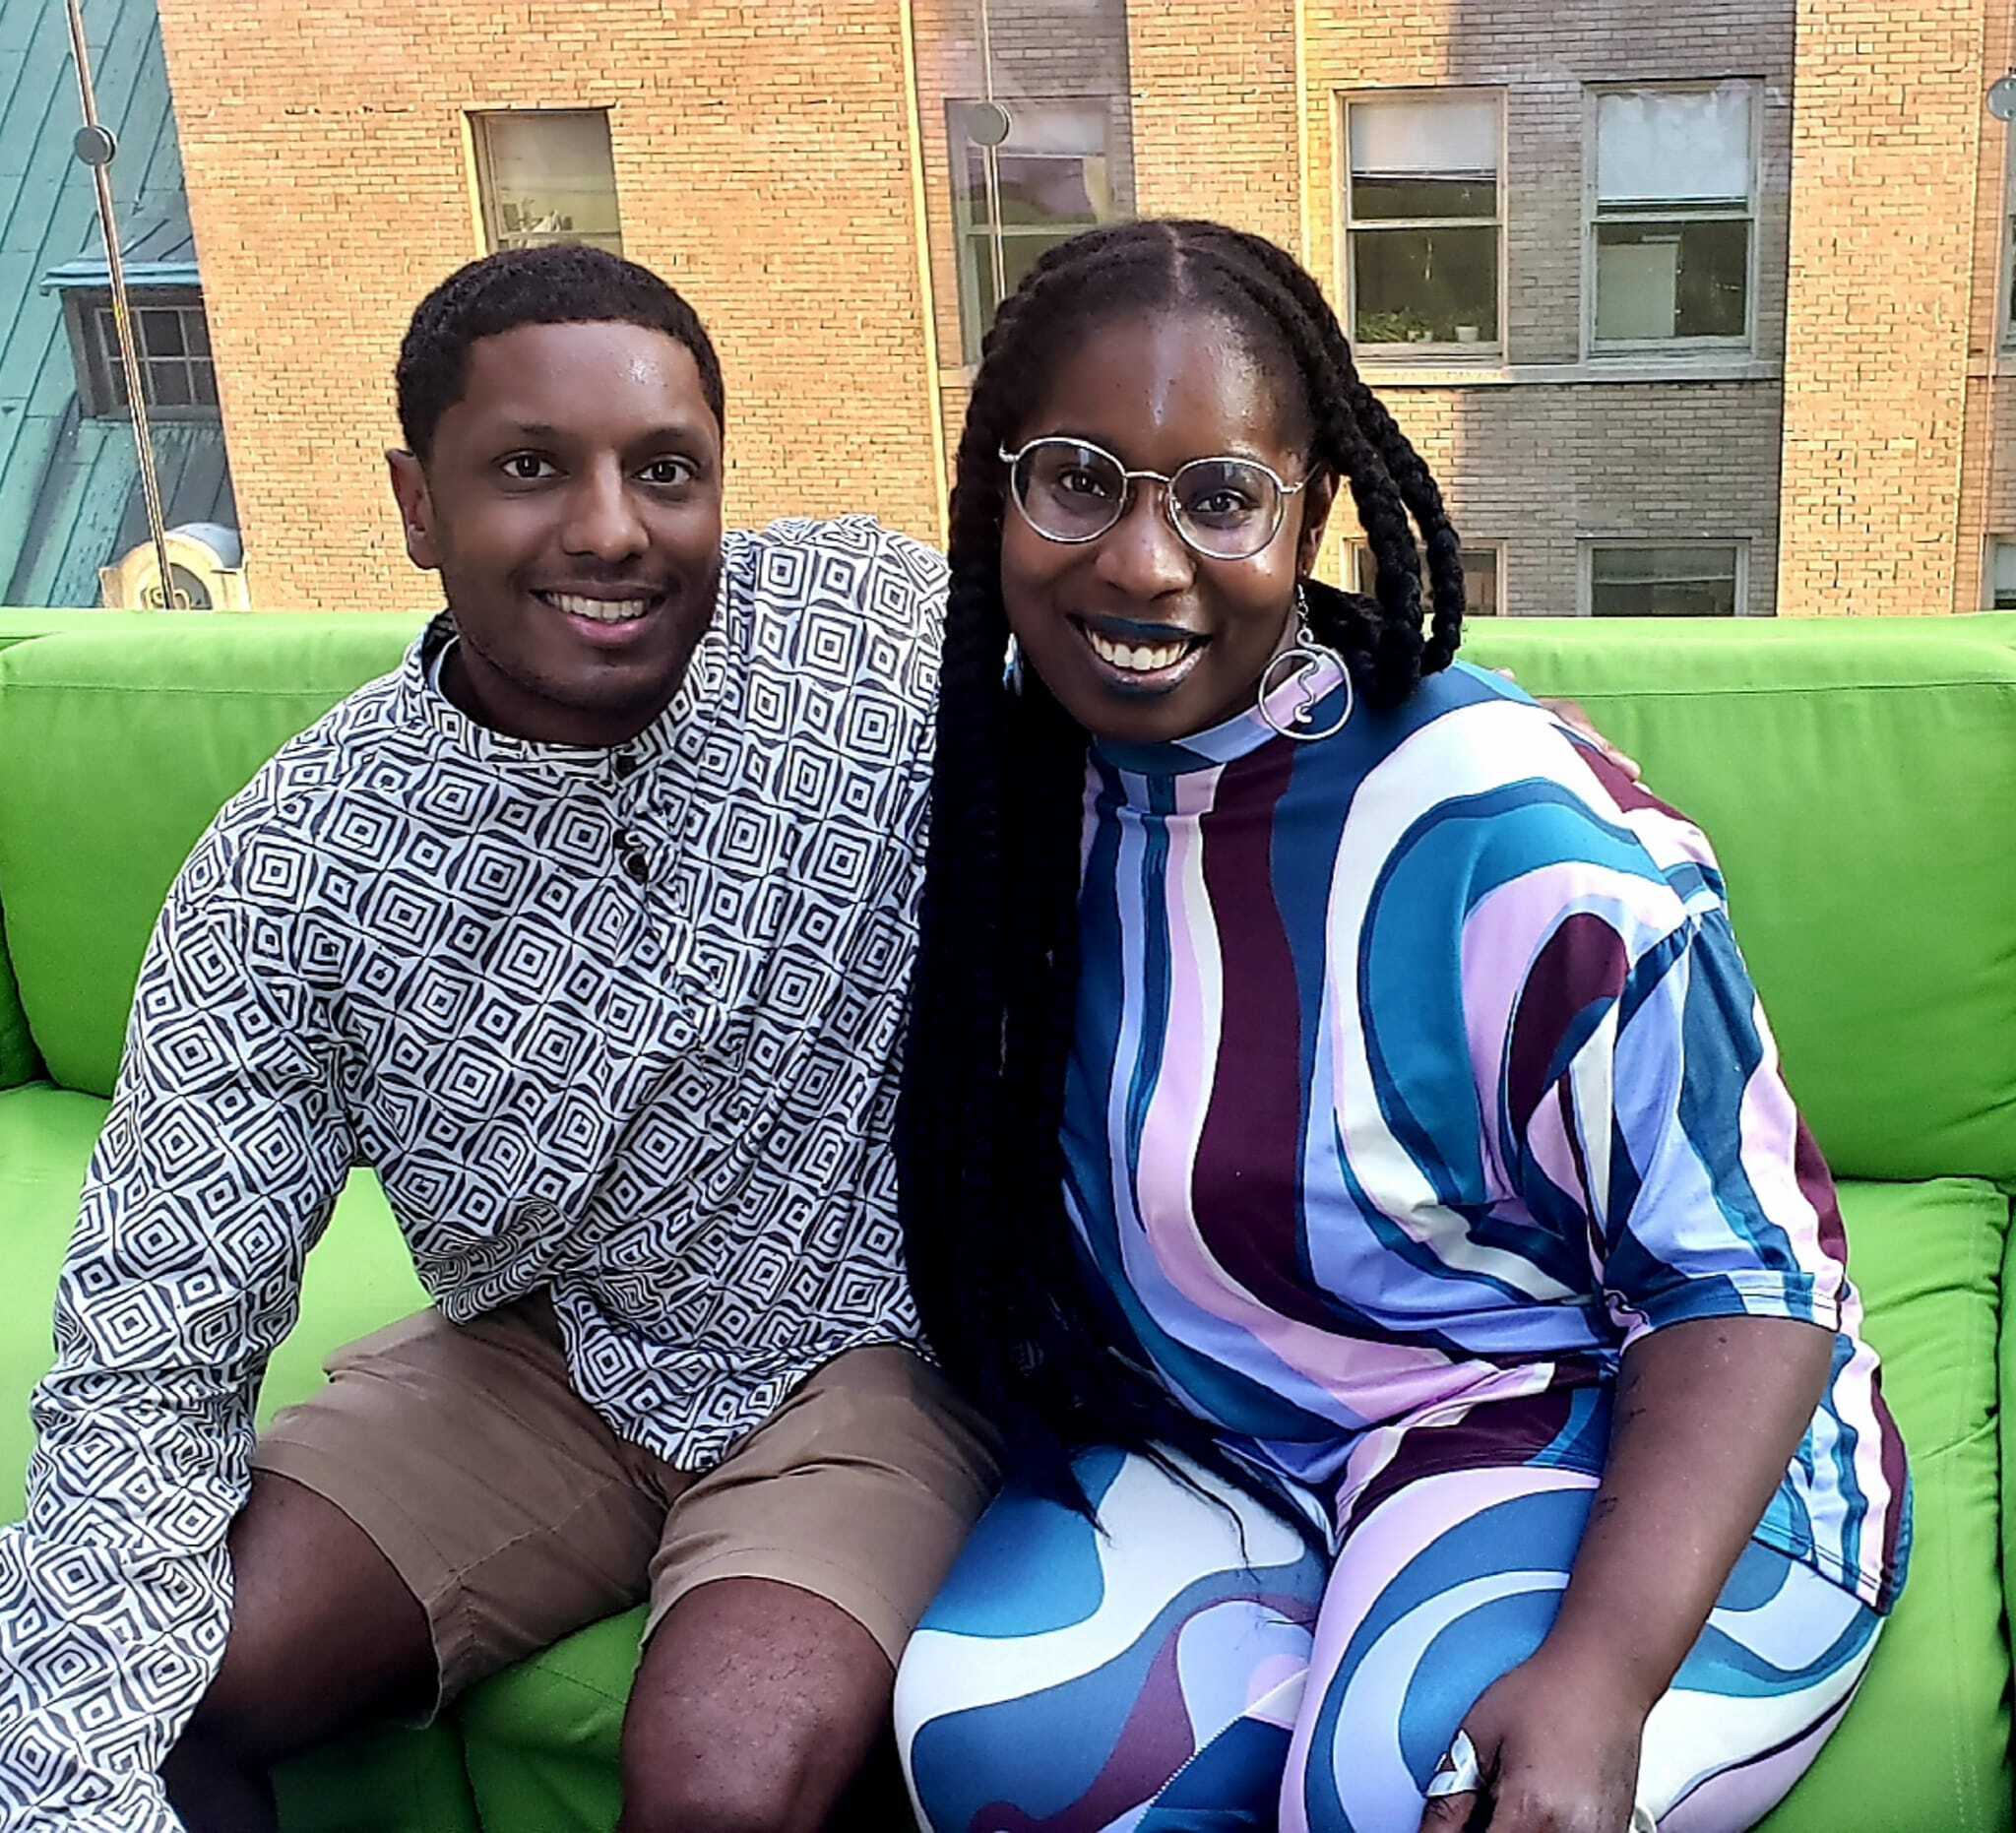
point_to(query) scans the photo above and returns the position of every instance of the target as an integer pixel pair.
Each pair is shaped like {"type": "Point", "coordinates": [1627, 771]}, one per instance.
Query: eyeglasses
{"type": "Point", "coordinates": [1223, 508]}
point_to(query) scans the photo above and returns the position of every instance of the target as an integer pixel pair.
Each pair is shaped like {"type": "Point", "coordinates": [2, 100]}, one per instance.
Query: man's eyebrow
{"type": "Point", "coordinates": [671, 431]}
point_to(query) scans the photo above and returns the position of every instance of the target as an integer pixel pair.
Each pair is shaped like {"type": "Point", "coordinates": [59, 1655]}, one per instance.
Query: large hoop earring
{"type": "Point", "coordinates": [1308, 657]}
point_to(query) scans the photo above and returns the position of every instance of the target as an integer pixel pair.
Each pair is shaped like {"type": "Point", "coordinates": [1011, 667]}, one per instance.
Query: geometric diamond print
{"type": "Point", "coordinates": [663, 1092]}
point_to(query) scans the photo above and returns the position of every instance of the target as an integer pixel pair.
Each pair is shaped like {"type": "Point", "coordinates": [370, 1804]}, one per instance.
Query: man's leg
{"type": "Point", "coordinates": [789, 1578]}
{"type": "Point", "coordinates": [785, 1686]}
{"type": "Point", "coordinates": [446, 1505]}
{"type": "Point", "coordinates": [322, 1629]}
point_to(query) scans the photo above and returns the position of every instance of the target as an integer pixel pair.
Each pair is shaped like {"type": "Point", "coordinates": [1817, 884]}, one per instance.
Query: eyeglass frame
{"type": "Point", "coordinates": [1168, 481]}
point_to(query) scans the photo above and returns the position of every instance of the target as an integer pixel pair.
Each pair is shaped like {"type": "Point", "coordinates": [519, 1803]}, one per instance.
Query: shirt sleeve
{"type": "Point", "coordinates": [1649, 1117]}
{"type": "Point", "coordinates": [216, 1169]}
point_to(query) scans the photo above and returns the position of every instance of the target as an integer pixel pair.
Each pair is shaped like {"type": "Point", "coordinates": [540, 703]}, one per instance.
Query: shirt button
{"type": "Point", "coordinates": [637, 865]}
{"type": "Point", "coordinates": [626, 764]}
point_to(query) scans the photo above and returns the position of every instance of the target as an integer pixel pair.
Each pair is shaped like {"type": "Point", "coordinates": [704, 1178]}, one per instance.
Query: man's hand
{"type": "Point", "coordinates": [1556, 1752]}
{"type": "Point", "coordinates": [1571, 714]}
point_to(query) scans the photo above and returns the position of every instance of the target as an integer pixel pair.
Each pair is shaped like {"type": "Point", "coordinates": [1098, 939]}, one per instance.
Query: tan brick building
{"type": "Point", "coordinates": [1692, 305]}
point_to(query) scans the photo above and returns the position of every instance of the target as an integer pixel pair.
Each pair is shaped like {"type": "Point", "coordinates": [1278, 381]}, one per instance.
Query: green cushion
{"type": "Point", "coordinates": [540, 1739]}
{"type": "Point", "coordinates": [1925, 1744]}
{"type": "Point", "coordinates": [1856, 778]}
{"type": "Point", "coordinates": [2006, 1391]}
{"type": "Point", "coordinates": [117, 746]}
{"type": "Point", "coordinates": [391, 1779]}
{"type": "Point", "coordinates": [359, 1277]}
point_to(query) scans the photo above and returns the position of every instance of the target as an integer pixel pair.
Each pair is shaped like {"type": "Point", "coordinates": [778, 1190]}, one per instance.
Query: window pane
{"type": "Point", "coordinates": [549, 177]}
{"type": "Point", "coordinates": [1673, 146]}
{"type": "Point", "coordinates": [1481, 582]}
{"type": "Point", "coordinates": [196, 329]}
{"type": "Point", "coordinates": [1378, 200]}
{"type": "Point", "coordinates": [1671, 279]}
{"type": "Point", "coordinates": [1662, 582]}
{"type": "Point", "coordinates": [160, 333]}
{"type": "Point", "coordinates": [1051, 191]}
{"type": "Point", "coordinates": [202, 381]}
{"type": "Point", "coordinates": [1426, 286]}
{"type": "Point", "coordinates": [1419, 136]}
{"type": "Point", "coordinates": [1054, 180]}
{"type": "Point", "coordinates": [1479, 577]}
{"type": "Point", "coordinates": [2003, 575]}
{"type": "Point", "coordinates": [167, 385]}
{"type": "Point", "coordinates": [1019, 254]}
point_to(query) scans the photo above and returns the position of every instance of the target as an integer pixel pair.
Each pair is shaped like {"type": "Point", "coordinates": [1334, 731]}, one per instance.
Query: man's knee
{"type": "Point", "coordinates": [754, 1710]}
{"type": "Point", "coordinates": [730, 1793]}
{"type": "Point", "coordinates": [322, 1631]}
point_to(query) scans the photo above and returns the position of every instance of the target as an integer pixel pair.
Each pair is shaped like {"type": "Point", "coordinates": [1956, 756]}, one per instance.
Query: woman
{"type": "Point", "coordinates": [1342, 1148]}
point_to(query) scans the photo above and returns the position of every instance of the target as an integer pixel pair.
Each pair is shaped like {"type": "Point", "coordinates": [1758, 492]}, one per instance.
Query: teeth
{"type": "Point", "coordinates": [601, 610]}
{"type": "Point", "coordinates": [1137, 658]}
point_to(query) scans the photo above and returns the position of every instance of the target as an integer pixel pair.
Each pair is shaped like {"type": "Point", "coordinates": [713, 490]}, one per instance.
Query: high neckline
{"type": "Point", "coordinates": [1246, 732]}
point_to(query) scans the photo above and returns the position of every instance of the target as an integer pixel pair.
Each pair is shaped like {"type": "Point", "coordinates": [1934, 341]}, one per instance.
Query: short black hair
{"type": "Point", "coordinates": [562, 284]}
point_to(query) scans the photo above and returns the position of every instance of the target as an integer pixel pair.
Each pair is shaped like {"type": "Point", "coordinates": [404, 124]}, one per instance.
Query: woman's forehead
{"type": "Point", "coordinates": [1161, 386]}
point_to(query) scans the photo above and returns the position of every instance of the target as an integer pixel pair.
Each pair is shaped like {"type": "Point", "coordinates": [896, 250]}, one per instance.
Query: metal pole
{"type": "Point", "coordinates": [122, 317]}
{"type": "Point", "coordinates": [991, 163]}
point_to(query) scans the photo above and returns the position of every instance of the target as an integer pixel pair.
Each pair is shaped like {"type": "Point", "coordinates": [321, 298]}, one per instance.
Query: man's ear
{"type": "Point", "coordinates": [1319, 498]}
{"type": "Point", "coordinates": [415, 508]}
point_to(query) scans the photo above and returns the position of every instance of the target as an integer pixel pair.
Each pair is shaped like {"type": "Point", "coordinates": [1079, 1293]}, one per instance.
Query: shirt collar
{"type": "Point", "coordinates": [678, 731]}
{"type": "Point", "coordinates": [1246, 732]}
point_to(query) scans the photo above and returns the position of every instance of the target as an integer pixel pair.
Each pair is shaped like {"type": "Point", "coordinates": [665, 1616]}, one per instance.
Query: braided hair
{"type": "Point", "coordinates": [1037, 1345]}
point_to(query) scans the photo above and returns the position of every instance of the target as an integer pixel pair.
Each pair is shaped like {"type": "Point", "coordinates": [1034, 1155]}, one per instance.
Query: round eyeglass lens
{"type": "Point", "coordinates": [1226, 507]}
{"type": "Point", "coordinates": [1069, 491]}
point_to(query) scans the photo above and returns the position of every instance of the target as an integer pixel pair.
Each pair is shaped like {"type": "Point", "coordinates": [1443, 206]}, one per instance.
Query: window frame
{"type": "Point", "coordinates": [2004, 341]}
{"type": "Point", "coordinates": [967, 235]}
{"type": "Point", "coordinates": [1486, 352]}
{"type": "Point", "coordinates": [1675, 349]}
{"type": "Point", "coordinates": [1589, 545]}
{"type": "Point", "coordinates": [94, 351]}
{"type": "Point", "coordinates": [1358, 560]}
{"type": "Point", "coordinates": [476, 125]}
{"type": "Point", "coordinates": [1990, 545]}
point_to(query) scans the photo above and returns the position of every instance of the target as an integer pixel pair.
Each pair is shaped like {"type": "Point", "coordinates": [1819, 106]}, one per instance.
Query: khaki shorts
{"type": "Point", "coordinates": [516, 1516]}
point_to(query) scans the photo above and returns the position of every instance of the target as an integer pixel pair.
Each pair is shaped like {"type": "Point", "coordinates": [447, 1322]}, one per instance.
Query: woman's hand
{"type": "Point", "coordinates": [1556, 1748]}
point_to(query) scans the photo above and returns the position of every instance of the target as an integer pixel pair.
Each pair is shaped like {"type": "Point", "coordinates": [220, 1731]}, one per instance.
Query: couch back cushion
{"type": "Point", "coordinates": [1858, 779]}
{"type": "Point", "coordinates": [118, 743]}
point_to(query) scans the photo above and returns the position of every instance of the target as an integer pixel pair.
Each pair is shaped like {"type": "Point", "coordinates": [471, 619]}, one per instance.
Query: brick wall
{"type": "Point", "coordinates": [762, 158]}
{"type": "Point", "coordinates": [1886, 171]}
{"type": "Point", "coordinates": [1544, 467]}
{"type": "Point", "coordinates": [765, 159]}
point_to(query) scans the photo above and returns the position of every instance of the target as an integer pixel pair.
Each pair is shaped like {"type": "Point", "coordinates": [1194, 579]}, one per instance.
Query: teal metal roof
{"type": "Point", "coordinates": [69, 484]}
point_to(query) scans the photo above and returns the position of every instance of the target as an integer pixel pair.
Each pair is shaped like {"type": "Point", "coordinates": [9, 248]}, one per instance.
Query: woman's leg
{"type": "Point", "coordinates": [1143, 1674]}
{"type": "Point", "coordinates": [1455, 1580]}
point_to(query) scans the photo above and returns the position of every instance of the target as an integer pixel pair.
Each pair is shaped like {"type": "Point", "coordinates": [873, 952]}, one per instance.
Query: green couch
{"type": "Point", "coordinates": [1860, 782]}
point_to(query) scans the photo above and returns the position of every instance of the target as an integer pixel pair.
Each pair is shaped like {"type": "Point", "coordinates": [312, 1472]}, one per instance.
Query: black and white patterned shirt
{"type": "Point", "coordinates": [620, 1023]}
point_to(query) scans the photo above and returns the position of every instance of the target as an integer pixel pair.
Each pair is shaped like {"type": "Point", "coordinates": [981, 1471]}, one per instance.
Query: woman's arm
{"type": "Point", "coordinates": [1708, 1414]}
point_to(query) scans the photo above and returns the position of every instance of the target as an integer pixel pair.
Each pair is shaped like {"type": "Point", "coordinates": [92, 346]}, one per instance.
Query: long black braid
{"type": "Point", "coordinates": [993, 1262]}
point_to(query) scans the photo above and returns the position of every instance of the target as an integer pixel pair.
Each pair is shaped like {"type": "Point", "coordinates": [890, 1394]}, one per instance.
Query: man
{"type": "Point", "coordinates": [589, 931]}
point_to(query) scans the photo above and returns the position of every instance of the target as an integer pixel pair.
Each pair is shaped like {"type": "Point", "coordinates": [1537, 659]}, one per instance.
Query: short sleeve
{"type": "Point", "coordinates": [1649, 1113]}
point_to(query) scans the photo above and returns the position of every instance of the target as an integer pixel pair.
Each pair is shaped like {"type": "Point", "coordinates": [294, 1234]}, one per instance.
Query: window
{"type": "Point", "coordinates": [1694, 580]}
{"type": "Point", "coordinates": [546, 178]}
{"type": "Point", "coordinates": [1673, 215]}
{"type": "Point", "coordinates": [172, 338]}
{"type": "Point", "coordinates": [1482, 566]}
{"type": "Point", "coordinates": [2009, 241]}
{"type": "Point", "coordinates": [1421, 210]}
{"type": "Point", "coordinates": [2001, 582]}
{"type": "Point", "coordinates": [1050, 178]}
